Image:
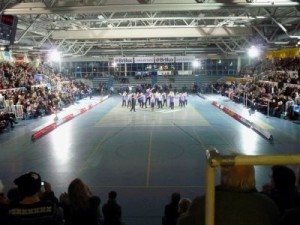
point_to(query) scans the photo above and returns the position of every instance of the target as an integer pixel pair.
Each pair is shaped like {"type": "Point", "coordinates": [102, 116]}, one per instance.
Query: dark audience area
{"type": "Point", "coordinates": [32, 201]}
{"type": "Point", "coordinates": [238, 201]}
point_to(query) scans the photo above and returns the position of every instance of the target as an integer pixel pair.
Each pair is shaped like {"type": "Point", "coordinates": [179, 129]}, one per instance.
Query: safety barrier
{"type": "Point", "coordinates": [15, 109]}
{"type": "Point", "coordinates": [214, 159]}
{"type": "Point", "coordinates": [244, 121]}
{"type": "Point", "coordinates": [50, 126]}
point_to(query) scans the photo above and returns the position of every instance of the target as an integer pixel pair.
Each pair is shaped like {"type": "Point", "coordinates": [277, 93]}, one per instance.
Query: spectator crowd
{"type": "Point", "coordinates": [28, 92]}
{"type": "Point", "coordinates": [276, 92]}
{"type": "Point", "coordinates": [238, 201]}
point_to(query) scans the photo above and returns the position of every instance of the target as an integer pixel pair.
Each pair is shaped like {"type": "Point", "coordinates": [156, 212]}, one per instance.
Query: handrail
{"type": "Point", "coordinates": [215, 159]}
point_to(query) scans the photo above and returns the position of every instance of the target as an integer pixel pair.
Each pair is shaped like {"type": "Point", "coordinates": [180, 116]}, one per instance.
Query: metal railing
{"type": "Point", "coordinates": [214, 159]}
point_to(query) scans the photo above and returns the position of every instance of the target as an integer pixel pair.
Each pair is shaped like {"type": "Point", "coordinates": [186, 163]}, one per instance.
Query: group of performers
{"type": "Point", "coordinates": [153, 99]}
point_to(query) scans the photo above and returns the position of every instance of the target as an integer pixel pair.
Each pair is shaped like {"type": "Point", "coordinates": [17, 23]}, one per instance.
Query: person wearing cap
{"type": "Point", "coordinates": [236, 201]}
{"type": "Point", "coordinates": [33, 208]}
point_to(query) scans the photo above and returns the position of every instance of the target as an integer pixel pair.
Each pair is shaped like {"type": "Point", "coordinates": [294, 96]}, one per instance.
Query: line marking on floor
{"type": "Point", "coordinates": [149, 159]}
{"type": "Point", "coordinates": [87, 163]}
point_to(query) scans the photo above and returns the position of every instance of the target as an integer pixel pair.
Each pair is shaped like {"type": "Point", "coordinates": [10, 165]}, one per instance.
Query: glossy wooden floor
{"type": "Point", "coordinates": [143, 155]}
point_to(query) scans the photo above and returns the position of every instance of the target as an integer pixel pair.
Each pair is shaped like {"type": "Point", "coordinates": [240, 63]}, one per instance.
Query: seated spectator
{"type": "Point", "coordinates": [112, 211]}
{"type": "Point", "coordinates": [32, 209]}
{"type": "Point", "coordinates": [7, 118]}
{"type": "Point", "coordinates": [3, 122]}
{"type": "Point", "coordinates": [282, 188]}
{"type": "Point", "coordinates": [171, 210]}
{"type": "Point", "coordinates": [278, 109]}
{"type": "Point", "coordinates": [236, 202]}
{"type": "Point", "coordinates": [80, 205]}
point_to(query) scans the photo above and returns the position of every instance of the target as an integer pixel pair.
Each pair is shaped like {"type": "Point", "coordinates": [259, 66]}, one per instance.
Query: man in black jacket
{"type": "Point", "coordinates": [112, 211]}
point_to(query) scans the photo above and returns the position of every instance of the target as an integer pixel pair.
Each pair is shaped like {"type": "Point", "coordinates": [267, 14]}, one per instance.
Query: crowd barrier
{"type": "Point", "coordinates": [15, 109]}
{"type": "Point", "coordinates": [214, 160]}
{"type": "Point", "coordinates": [244, 121]}
{"type": "Point", "coordinates": [50, 126]}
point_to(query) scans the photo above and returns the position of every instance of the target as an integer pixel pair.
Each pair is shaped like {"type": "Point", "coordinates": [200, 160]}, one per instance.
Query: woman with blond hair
{"type": "Point", "coordinates": [237, 201]}
{"type": "Point", "coordinates": [80, 205]}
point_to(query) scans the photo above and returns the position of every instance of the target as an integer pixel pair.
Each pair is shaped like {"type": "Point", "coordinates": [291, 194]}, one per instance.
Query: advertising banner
{"type": "Point", "coordinates": [121, 60]}
{"type": "Point", "coordinates": [164, 59]}
{"type": "Point", "coordinates": [143, 59]}
{"type": "Point", "coordinates": [184, 59]}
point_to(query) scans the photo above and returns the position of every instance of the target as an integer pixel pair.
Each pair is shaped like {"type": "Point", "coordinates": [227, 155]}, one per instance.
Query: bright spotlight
{"type": "Point", "coordinates": [253, 52]}
{"type": "Point", "coordinates": [196, 64]}
{"type": "Point", "coordinates": [54, 56]}
{"type": "Point", "coordinates": [114, 64]}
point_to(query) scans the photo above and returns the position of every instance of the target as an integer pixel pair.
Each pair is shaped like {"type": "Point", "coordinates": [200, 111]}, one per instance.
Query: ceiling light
{"type": "Point", "coordinates": [253, 52]}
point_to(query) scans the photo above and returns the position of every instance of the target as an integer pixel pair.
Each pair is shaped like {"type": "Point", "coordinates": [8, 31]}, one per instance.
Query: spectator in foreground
{"type": "Point", "coordinates": [183, 206]}
{"type": "Point", "coordinates": [282, 188]}
{"type": "Point", "coordinates": [112, 211]}
{"type": "Point", "coordinates": [236, 202]}
{"type": "Point", "coordinates": [31, 209]}
{"type": "Point", "coordinates": [171, 210]}
{"type": "Point", "coordinates": [80, 205]}
{"type": "Point", "coordinates": [3, 206]}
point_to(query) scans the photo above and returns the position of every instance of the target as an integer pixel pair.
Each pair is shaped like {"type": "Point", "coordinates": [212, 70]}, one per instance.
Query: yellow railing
{"type": "Point", "coordinates": [214, 159]}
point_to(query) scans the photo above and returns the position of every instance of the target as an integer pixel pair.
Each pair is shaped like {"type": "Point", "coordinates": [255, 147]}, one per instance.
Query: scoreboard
{"type": "Point", "coordinates": [8, 28]}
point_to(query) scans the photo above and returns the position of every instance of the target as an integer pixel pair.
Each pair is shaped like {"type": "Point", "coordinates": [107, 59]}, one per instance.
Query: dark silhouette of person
{"type": "Point", "coordinates": [171, 210]}
{"type": "Point", "coordinates": [112, 211]}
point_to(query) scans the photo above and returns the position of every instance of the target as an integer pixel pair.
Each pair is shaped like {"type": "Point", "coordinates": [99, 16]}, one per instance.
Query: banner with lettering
{"type": "Point", "coordinates": [164, 59]}
{"type": "Point", "coordinates": [123, 60]}
{"type": "Point", "coordinates": [184, 59]}
{"type": "Point", "coordinates": [143, 59]}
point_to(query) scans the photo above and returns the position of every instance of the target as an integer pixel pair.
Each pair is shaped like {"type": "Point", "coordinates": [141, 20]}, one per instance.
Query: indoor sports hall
{"type": "Point", "coordinates": [145, 155]}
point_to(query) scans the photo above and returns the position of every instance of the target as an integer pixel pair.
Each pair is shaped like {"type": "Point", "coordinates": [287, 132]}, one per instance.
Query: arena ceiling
{"type": "Point", "coordinates": [152, 27]}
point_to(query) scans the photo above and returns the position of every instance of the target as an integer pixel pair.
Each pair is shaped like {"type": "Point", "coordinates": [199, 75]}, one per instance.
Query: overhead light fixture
{"type": "Point", "coordinates": [253, 52]}
{"type": "Point", "coordinates": [54, 55]}
{"type": "Point", "coordinates": [196, 64]}
{"type": "Point", "coordinates": [249, 1]}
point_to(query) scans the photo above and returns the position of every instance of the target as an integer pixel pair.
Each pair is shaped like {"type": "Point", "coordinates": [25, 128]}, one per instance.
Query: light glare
{"type": "Point", "coordinates": [253, 52]}
{"type": "Point", "coordinates": [196, 64]}
{"type": "Point", "coordinates": [54, 56]}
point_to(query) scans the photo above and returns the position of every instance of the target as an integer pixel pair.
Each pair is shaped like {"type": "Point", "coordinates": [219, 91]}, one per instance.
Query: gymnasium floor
{"type": "Point", "coordinates": [143, 155]}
